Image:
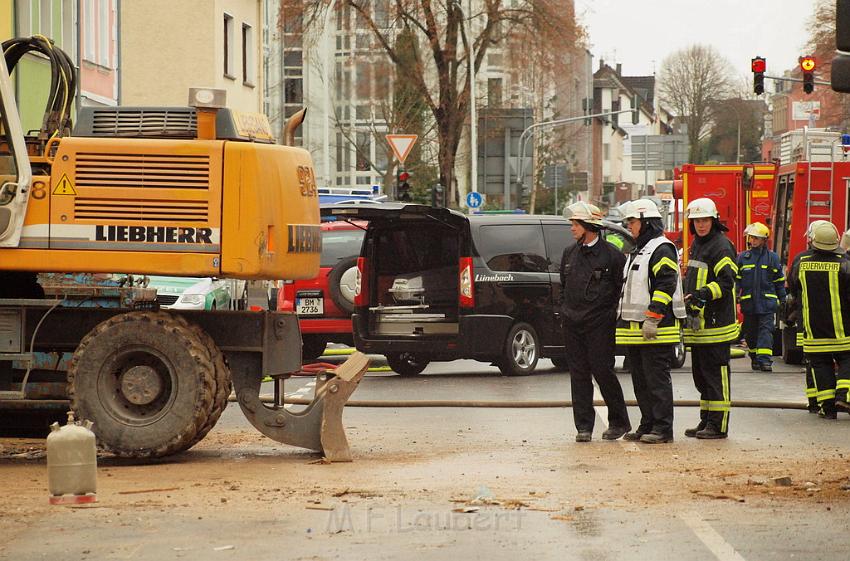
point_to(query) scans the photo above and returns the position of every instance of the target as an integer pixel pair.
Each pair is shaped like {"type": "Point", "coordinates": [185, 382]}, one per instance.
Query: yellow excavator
{"type": "Point", "coordinates": [87, 210]}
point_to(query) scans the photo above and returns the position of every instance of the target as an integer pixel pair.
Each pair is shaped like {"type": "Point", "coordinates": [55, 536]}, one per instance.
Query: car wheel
{"type": "Point", "coordinates": [341, 284]}
{"type": "Point", "coordinates": [312, 346]}
{"type": "Point", "coordinates": [679, 355]}
{"type": "Point", "coordinates": [560, 363]}
{"type": "Point", "coordinates": [522, 349]}
{"type": "Point", "coordinates": [407, 364]}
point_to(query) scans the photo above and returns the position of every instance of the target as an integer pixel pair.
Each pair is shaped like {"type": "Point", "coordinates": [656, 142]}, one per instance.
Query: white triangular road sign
{"type": "Point", "coordinates": [402, 144]}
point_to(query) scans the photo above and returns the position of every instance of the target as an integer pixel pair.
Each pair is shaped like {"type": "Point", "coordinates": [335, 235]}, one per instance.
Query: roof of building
{"type": "Point", "coordinates": [644, 86]}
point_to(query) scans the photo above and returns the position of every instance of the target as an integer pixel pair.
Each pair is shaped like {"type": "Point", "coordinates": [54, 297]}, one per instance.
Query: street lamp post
{"type": "Point", "coordinates": [329, 45]}
{"type": "Point", "coordinates": [473, 117]}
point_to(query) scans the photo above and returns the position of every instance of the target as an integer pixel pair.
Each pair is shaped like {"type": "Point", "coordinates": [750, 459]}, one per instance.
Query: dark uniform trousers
{"type": "Point", "coordinates": [653, 386]}
{"type": "Point", "coordinates": [590, 354]}
{"type": "Point", "coordinates": [828, 370]}
{"type": "Point", "coordinates": [712, 380]}
{"type": "Point", "coordinates": [758, 332]}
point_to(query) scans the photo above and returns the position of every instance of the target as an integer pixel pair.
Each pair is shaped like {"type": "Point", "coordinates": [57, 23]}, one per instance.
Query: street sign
{"type": "Point", "coordinates": [659, 151]}
{"type": "Point", "coordinates": [474, 199]}
{"type": "Point", "coordinates": [402, 144]}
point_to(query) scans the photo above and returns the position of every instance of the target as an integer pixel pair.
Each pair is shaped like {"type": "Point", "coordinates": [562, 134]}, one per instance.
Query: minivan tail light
{"type": "Point", "coordinates": [361, 284]}
{"type": "Point", "coordinates": [466, 292]}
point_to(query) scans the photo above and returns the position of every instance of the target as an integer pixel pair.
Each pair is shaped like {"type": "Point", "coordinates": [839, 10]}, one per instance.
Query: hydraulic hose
{"type": "Point", "coordinates": [538, 404]}
{"type": "Point", "coordinates": [63, 81]}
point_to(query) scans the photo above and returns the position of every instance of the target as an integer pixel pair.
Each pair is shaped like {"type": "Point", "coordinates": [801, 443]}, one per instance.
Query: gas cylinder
{"type": "Point", "coordinates": [72, 462]}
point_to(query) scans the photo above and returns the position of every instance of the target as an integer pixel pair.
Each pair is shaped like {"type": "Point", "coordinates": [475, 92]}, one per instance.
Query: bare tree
{"type": "Point", "coordinates": [450, 38]}
{"type": "Point", "coordinates": [835, 107]}
{"type": "Point", "coordinates": [691, 81]}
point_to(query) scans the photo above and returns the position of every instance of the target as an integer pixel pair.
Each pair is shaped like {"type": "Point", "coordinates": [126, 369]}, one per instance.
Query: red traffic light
{"type": "Point", "coordinates": [403, 176]}
{"type": "Point", "coordinates": [759, 64]}
{"type": "Point", "coordinates": [807, 63]}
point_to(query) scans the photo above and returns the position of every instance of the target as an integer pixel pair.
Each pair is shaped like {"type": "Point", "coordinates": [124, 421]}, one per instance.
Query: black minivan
{"type": "Point", "coordinates": [436, 285]}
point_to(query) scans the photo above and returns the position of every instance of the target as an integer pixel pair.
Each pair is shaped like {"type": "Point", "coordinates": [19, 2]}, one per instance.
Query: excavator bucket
{"type": "Point", "coordinates": [319, 425]}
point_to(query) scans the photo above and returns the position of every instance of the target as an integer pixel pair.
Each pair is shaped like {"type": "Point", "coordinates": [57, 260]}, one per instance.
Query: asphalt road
{"type": "Point", "coordinates": [450, 483]}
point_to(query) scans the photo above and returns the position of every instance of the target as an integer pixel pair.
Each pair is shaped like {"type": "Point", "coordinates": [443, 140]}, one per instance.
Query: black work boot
{"type": "Point", "coordinates": [584, 436]}
{"type": "Point", "coordinates": [615, 432]}
{"type": "Point", "coordinates": [813, 406]}
{"type": "Point", "coordinates": [691, 433]}
{"type": "Point", "coordinates": [842, 405]}
{"type": "Point", "coordinates": [635, 436]}
{"type": "Point", "coordinates": [710, 432]}
{"type": "Point", "coordinates": [656, 438]}
{"type": "Point", "coordinates": [766, 367]}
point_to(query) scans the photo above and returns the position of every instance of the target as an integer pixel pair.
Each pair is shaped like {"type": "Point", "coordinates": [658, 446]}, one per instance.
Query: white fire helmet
{"type": "Point", "coordinates": [585, 212]}
{"type": "Point", "coordinates": [702, 208]}
{"type": "Point", "coordinates": [640, 208]}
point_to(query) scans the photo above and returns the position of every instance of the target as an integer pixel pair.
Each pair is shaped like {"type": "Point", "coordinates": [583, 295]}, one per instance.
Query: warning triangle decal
{"type": "Point", "coordinates": [65, 187]}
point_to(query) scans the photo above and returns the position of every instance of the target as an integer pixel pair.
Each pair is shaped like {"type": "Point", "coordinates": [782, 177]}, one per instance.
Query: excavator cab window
{"type": "Point", "coordinates": [8, 167]}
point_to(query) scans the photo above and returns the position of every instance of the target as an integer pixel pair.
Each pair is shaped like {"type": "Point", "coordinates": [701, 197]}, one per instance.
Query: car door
{"type": "Point", "coordinates": [557, 237]}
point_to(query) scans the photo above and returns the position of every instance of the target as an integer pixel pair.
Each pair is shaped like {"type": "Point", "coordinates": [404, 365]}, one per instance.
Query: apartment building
{"type": "Point", "coordinates": [168, 47]}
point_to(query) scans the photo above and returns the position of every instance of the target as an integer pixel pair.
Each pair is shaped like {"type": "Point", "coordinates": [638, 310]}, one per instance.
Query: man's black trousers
{"type": "Point", "coordinates": [590, 355]}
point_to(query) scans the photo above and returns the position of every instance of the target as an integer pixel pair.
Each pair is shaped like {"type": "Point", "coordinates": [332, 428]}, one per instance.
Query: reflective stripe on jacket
{"type": "Point", "coordinates": [711, 277]}
{"type": "Point", "coordinates": [761, 281]}
{"type": "Point", "coordinates": [821, 280]}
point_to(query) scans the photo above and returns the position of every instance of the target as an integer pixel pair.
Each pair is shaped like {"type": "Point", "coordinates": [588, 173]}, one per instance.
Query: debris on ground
{"type": "Point", "coordinates": [784, 481]}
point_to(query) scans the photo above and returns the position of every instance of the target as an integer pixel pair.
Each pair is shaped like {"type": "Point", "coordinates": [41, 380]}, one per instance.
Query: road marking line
{"type": "Point", "coordinates": [715, 543]}
{"type": "Point", "coordinates": [602, 413]}
{"type": "Point", "coordinates": [301, 392]}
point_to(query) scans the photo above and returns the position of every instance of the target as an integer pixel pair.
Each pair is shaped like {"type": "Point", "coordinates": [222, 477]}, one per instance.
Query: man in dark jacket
{"type": "Point", "coordinates": [712, 316]}
{"type": "Point", "coordinates": [591, 280]}
{"type": "Point", "coordinates": [761, 289]}
{"type": "Point", "coordinates": [648, 327]}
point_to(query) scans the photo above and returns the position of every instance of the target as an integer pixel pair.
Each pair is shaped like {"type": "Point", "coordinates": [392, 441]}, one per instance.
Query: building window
{"type": "Point", "coordinates": [293, 90]}
{"type": "Point", "coordinates": [364, 149]}
{"type": "Point", "coordinates": [494, 92]}
{"type": "Point", "coordinates": [89, 53]}
{"type": "Point", "coordinates": [247, 55]}
{"type": "Point", "coordinates": [606, 151]}
{"type": "Point", "coordinates": [228, 46]}
{"type": "Point", "coordinates": [292, 59]}
{"type": "Point", "coordinates": [103, 33]}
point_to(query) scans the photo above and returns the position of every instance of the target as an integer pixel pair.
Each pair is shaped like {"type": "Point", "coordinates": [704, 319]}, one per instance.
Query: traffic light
{"type": "Point", "coordinates": [403, 191]}
{"type": "Point", "coordinates": [807, 65]}
{"type": "Point", "coordinates": [615, 118]}
{"type": "Point", "coordinates": [759, 65]}
{"type": "Point", "coordinates": [438, 196]}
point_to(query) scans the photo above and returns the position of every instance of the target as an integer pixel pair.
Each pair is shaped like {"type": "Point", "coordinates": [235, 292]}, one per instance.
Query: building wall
{"type": "Point", "coordinates": [168, 47]}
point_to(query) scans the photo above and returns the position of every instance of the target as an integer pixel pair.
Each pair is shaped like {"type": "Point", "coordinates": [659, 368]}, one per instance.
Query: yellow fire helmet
{"type": "Point", "coordinates": [824, 236]}
{"type": "Point", "coordinates": [757, 230]}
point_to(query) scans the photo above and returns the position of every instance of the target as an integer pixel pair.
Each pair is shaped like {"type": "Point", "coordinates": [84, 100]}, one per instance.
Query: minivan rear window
{"type": "Point", "coordinates": [339, 244]}
{"type": "Point", "coordinates": [513, 247]}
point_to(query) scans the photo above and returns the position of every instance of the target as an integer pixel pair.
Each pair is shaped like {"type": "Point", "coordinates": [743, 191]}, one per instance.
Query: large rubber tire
{"type": "Point", "coordinates": [407, 364]}
{"type": "Point", "coordinates": [521, 352]}
{"type": "Point", "coordinates": [341, 284]}
{"type": "Point", "coordinates": [680, 353]}
{"type": "Point", "coordinates": [791, 353]}
{"type": "Point", "coordinates": [223, 382]}
{"type": "Point", "coordinates": [312, 346]}
{"type": "Point", "coordinates": [146, 380]}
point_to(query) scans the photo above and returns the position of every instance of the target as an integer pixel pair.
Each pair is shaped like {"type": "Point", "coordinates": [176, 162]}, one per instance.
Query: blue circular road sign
{"type": "Point", "coordinates": [474, 199]}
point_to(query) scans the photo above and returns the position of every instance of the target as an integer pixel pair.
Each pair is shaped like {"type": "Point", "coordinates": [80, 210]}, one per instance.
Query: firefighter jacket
{"type": "Point", "coordinates": [591, 280]}
{"type": "Point", "coordinates": [710, 279]}
{"type": "Point", "coordinates": [761, 281]}
{"type": "Point", "coordinates": [820, 283]}
{"type": "Point", "coordinates": [652, 284]}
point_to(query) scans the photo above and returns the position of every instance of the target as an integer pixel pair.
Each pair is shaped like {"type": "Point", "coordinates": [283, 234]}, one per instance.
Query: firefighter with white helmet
{"type": "Point", "coordinates": [648, 323]}
{"type": "Point", "coordinates": [820, 282]}
{"type": "Point", "coordinates": [591, 280]}
{"type": "Point", "coordinates": [761, 290]}
{"type": "Point", "coordinates": [712, 309]}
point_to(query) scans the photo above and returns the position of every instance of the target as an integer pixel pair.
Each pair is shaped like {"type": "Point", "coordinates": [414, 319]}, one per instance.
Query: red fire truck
{"type": "Point", "coordinates": [743, 194]}
{"type": "Point", "coordinates": [805, 192]}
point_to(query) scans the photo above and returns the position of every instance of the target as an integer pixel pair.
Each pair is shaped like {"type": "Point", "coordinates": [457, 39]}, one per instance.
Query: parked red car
{"type": "Point", "coordinates": [324, 304]}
